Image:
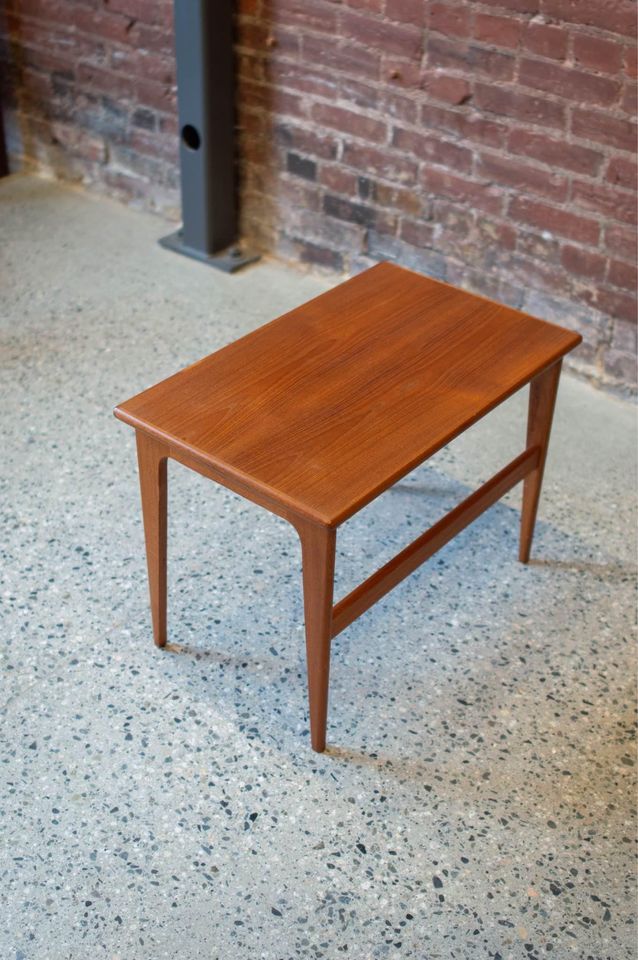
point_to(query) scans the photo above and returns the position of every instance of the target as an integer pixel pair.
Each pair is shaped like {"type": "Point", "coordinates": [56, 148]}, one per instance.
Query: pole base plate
{"type": "Point", "coordinates": [229, 260]}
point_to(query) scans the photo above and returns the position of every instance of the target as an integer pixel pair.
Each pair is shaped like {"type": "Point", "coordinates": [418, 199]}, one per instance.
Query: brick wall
{"type": "Point", "coordinates": [487, 143]}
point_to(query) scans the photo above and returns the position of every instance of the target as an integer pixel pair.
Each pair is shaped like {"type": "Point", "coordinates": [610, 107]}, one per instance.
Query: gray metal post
{"type": "Point", "coordinates": [205, 93]}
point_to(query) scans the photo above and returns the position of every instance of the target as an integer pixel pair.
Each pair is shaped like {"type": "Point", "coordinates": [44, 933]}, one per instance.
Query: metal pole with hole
{"type": "Point", "coordinates": [205, 93]}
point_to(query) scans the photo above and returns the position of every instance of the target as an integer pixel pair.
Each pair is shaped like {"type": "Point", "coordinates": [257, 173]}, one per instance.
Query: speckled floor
{"type": "Point", "coordinates": [477, 798]}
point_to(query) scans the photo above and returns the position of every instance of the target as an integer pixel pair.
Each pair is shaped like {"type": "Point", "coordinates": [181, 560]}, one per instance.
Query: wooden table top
{"type": "Point", "coordinates": [327, 406]}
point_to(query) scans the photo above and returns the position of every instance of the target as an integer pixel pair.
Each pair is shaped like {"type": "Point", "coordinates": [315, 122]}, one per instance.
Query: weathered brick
{"type": "Point", "coordinates": [481, 196]}
{"type": "Point", "coordinates": [337, 178]}
{"type": "Point", "coordinates": [625, 337]}
{"type": "Point", "coordinates": [555, 220]}
{"type": "Point", "coordinates": [501, 31]}
{"type": "Point", "coordinates": [545, 40]}
{"type": "Point", "coordinates": [515, 174]}
{"type": "Point", "coordinates": [621, 241]}
{"type": "Point", "coordinates": [622, 172]}
{"type": "Point", "coordinates": [603, 128]}
{"type": "Point", "coordinates": [555, 153]}
{"type": "Point", "coordinates": [352, 58]}
{"type": "Point", "coordinates": [349, 121]}
{"type": "Point", "coordinates": [450, 19]}
{"type": "Point", "coordinates": [380, 163]}
{"type": "Point", "coordinates": [605, 200]}
{"type": "Point", "coordinates": [576, 85]}
{"type": "Point", "coordinates": [401, 73]}
{"type": "Point", "coordinates": [616, 16]}
{"type": "Point", "coordinates": [347, 210]}
{"type": "Point", "coordinates": [629, 99]}
{"type": "Point", "coordinates": [301, 166]}
{"type": "Point", "coordinates": [433, 149]}
{"type": "Point", "coordinates": [520, 106]}
{"type": "Point", "coordinates": [406, 11]}
{"type": "Point", "coordinates": [471, 125]}
{"type": "Point", "coordinates": [529, 7]}
{"type": "Point", "coordinates": [322, 256]}
{"type": "Point", "coordinates": [400, 39]}
{"type": "Point", "coordinates": [621, 306]}
{"type": "Point", "coordinates": [418, 233]}
{"type": "Point", "coordinates": [443, 86]}
{"type": "Point", "coordinates": [443, 53]}
{"type": "Point", "coordinates": [622, 274]}
{"type": "Point", "coordinates": [598, 53]}
{"type": "Point", "coordinates": [303, 140]}
{"type": "Point", "coordinates": [584, 263]}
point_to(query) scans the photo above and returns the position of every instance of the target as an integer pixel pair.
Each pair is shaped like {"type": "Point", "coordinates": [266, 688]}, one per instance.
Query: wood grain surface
{"type": "Point", "coordinates": [325, 407]}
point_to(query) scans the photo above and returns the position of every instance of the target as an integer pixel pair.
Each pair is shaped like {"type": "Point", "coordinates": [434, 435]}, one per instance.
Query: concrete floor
{"type": "Point", "coordinates": [477, 798]}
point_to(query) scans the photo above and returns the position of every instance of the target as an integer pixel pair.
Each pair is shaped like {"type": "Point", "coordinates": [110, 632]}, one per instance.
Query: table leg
{"type": "Point", "coordinates": [151, 458]}
{"type": "Point", "coordinates": [318, 556]}
{"type": "Point", "coordinates": [542, 398]}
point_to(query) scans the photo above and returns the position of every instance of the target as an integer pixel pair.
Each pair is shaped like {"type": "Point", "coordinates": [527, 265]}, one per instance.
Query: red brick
{"type": "Point", "coordinates": [303, 14]}
{"type": "Point", "coordinates": [603, 128]}
{"type": "Point", "coordinates": [418, 233]}
{"type": "Point", "coordinates": [629, 101]}
{"type": "Point", "coordinates": [357, 92]}
{"type": "Point", "coordinates": [149, 11]}
{"type": "Point", "coordinates": [348, 121]}
{"type": "Point", "coordinates": [470, 125]}
{"type": "Point", "coordinates": [399, 39]}
{"type": "Point", "coordinates": [337, 179]}
{"type": "Point", "coordinates": [545, 40]}
{"type": "Point", "coordinates": [399, 107]}
{"type": "Point", "coordinates": [407, 201]}
{"type": "Point", "coordinates": [608, 201]}
{"type": "Point", "coordinates": [555, 153]}
{"type": "Point", "coordinates": [571, 84]}
{"type": "Point", "coordinates": [518, 6]}
{"type": "Point", "coordinates": [371, 6]}
{"type": "Point", "coordinates": [481, 196]}
{"type": "Point", "coordinates": [537, 246]}
{"type": "Point", "coordinates": [407, 11]}
{"type": "Point", "coordinates": [597, 53]}
{"type": "Point", "coordinates": [402, 73]}
{"type": "Point", "coordinates": [501, 31]}
{"type": "Point", "coordinates": [433, 149]}
{"type": "Point", "coordinates": [623, 275]}
{"type": "Point", "coordinates": [621, 306]}
{"type": "Point", "coordinates": [302, 79]}
{"type": "Point", "coordinates": [584, 263]}
{"type": "Point", "coordinates": [451, 19]}
{"type": "Point", "coordinates": [491, 232]}
{"type": "Point", "coordinates": [539, 275]}
{"type": "Point", "coordinates": [302, 140]}
{"type": "Point", "coordinates": [623, 172]}
{"type": "Point", "coordinates": [563, 223]}
{"type": "Point", "coordinates": [616, 16]}
{"type": "Point", "coordinates": [499, 66]}
{"type": "Point", "coordinates": [621, 241]}
{"type": "Point", "coordinates": [443, 86]}
{"type": "Point", "coordinates": [631, 62]}
{"type": "Point", "coordinates": [518, 175]}
{"type": "Point", "coordinates": [625, 337]}
{"type": "Point", "coordinates": [521, 106]}
{"type": "Point", "coordinates": [349, 57]}
{"type": "Point", "coordinates": [380, 163]}
{"type": "Point", "coordinates": [444, 53]}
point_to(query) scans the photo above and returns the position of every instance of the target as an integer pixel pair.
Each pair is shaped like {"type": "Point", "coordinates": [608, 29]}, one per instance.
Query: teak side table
{"type": "Point", "coordinates": [315, 414]}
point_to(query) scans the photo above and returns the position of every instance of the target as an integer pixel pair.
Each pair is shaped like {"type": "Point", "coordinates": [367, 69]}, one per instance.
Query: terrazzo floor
{"type": "Point", "coordinates": [477, 797]}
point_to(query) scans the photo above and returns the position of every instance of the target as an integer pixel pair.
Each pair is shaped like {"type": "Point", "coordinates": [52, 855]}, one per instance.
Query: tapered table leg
{"type": "Point", "coordinates": [318, 556]}
{"type": "Point", "coordinates": [151, 458]}
{"type": "Point", "coordinates": [542, 398]}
